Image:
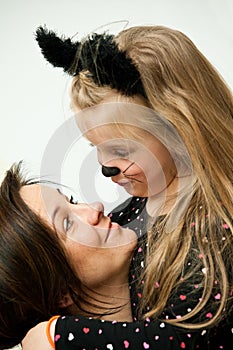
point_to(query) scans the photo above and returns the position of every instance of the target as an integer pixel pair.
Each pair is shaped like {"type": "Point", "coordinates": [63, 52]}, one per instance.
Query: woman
{"type": "Point", "coordinates": [185, 289]}
{"type": "Point", "coordinates": [54, 258]}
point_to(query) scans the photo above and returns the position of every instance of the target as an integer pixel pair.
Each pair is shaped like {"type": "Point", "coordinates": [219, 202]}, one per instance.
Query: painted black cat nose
{"type": "Point", "coordinates": [109, 171]}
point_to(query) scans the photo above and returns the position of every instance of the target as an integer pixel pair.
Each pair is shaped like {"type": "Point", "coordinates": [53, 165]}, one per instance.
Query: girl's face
{"type": "Point", "coordinates": [116, 128]}
{"type": "Point", "coordinates": [146, 167]}
{"type": "Point", "coordinates": [98, 248]}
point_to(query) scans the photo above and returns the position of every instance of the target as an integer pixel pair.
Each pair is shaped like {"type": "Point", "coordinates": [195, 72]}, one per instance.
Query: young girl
{"type": "Point", "coordinates": [182, 291]}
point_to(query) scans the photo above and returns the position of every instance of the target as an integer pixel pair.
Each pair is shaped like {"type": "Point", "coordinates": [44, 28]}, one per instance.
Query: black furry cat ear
{"type": "Point", "coordinates": [98, 54]}
{"type": "Point", "coordinates": [60, 52]}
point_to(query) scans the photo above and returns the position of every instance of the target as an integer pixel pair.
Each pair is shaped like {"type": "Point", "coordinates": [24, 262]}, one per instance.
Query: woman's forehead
{"type": "Point", "coordinates": [31, 194]}
{"type": "Point", "coordinates": [39, 198]}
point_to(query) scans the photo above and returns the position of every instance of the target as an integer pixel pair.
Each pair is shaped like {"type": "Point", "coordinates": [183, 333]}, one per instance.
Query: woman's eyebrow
{"type": "Point", "coordinates": [54, 214]}
{"type": "Point", "coordinates": [59, 191]}
{"type": "Point", "coordinates": [56, 210]}
{"type": "Point", "coordinates": [62, 194]}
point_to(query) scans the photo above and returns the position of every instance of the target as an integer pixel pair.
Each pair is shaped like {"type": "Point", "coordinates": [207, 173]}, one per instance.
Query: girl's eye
{"type": "Point", "coordinates": [67, 224]}
{"type": "Point", "coordinates": [121, 153]}
{"type": "Point", "coordinates": [72, 201]}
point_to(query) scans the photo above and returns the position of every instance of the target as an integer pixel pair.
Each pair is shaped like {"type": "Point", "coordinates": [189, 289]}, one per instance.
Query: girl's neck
{"type": "Point", "coordinates": [162, 203]}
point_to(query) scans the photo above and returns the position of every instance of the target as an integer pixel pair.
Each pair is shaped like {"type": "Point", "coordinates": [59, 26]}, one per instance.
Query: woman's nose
{"type": "Point", "coordinates": [91, 213]}
{"type": "Point", "coordinates": [97, 206]}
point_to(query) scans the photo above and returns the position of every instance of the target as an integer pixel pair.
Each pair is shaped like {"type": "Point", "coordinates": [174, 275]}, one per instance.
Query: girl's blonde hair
{"type": "Point", "coordinates": [183, 87]}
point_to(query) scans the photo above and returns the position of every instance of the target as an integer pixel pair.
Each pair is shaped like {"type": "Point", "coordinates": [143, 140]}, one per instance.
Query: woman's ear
{"type": "Point", "coordinates": [65, 301]}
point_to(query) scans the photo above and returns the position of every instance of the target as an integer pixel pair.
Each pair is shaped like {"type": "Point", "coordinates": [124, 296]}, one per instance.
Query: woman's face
{"type": "Point", "coordinates": [99, 249]}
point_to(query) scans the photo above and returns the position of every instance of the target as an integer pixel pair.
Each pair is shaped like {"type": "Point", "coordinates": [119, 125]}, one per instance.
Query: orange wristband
{"type": "Point", "coordinates": [51, 342]}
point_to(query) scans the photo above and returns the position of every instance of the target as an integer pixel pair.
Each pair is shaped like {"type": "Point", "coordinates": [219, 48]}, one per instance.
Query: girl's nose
{"type": "Point", "coordinates": [109, 171]}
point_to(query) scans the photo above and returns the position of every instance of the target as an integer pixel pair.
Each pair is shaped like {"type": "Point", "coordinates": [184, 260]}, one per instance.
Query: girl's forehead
{"type": "Point", "coordinates": [112, 115]}
{"type": "Point", "coordinates": [115, 132]}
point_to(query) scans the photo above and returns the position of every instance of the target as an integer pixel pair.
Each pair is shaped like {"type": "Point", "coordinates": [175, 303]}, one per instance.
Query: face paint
{"type": "Point", "coordinates": [108, 171]}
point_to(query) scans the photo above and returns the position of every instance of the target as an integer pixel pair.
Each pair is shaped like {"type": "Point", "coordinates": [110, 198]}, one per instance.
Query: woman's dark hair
{"type": "Point", "coordinates": [34, 270]}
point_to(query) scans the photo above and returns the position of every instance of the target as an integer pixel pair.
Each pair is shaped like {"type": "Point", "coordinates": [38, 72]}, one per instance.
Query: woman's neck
{"type": "Point", "coordinates": [113, 300]}
{"type": "Point", "coordinates": [120, 300]}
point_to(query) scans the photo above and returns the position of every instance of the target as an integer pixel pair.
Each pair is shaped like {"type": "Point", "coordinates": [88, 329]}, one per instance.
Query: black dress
{"type": "Point", "coordinates": [78, 332]}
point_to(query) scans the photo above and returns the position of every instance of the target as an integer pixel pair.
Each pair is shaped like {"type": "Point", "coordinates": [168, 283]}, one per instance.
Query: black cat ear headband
{"type": "Point", "coordinates": [98, 54]}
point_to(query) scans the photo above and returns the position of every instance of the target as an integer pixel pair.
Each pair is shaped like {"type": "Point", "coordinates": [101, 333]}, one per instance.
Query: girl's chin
{"type": "Point", "coordinates": [134, 189]}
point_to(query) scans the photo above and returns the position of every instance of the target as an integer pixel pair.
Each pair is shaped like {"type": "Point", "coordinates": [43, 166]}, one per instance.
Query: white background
{"type": "Point", "coordinates": [34, 95]}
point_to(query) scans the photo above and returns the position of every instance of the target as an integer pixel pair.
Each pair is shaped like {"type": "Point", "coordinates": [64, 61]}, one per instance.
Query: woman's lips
{"type": "Point", "coordinates": [112, 226]}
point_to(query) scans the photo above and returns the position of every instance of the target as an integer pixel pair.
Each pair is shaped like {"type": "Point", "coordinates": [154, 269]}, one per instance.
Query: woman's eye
{"type": "Point", "coordinates": [67, 224]}
{"type": "Point", "coordinates": [72, 201]}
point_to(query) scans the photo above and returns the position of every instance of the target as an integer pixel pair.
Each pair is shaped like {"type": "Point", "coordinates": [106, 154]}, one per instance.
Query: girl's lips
{"type": "Point", "coordinates": [123, 183]}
